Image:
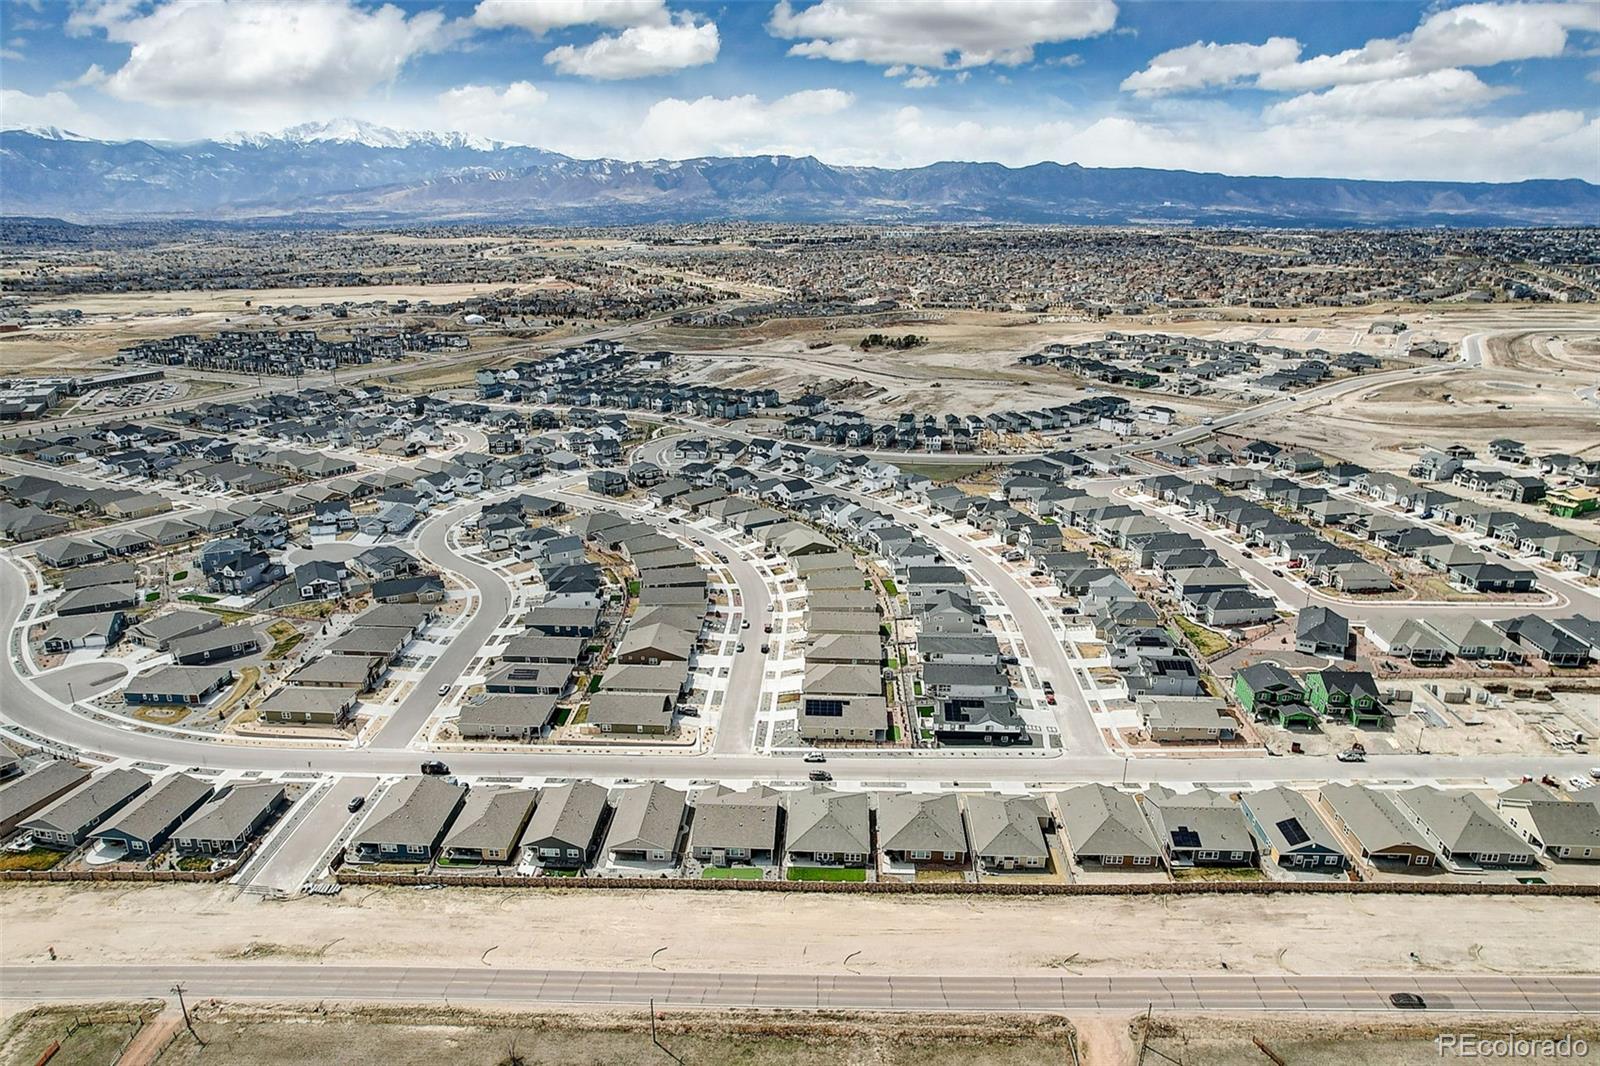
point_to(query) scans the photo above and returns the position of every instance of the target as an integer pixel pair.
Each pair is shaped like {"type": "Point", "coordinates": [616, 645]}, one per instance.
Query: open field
{"type": "Point", "coordinates": [578, 929]}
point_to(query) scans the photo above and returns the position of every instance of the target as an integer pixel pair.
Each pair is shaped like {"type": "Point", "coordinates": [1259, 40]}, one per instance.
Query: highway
{"type": "Point", "coordinates": [1485, 993]}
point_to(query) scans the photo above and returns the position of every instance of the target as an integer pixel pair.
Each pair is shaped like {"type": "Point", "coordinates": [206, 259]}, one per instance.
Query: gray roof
{"type": "Point", "coordinates": [178, 680]}
{"type": "Point", "coordinates": [908, 822]}
{"type": "Point", "coordinates": [413, 811]}
{"type": "Point", "coordinates": [668, 678]}
{"type": "Point", "coordinates": [567, 813]}
{"type": "Point", "coordinates": [537, 646]}
{"type": "Point", "coordinates": [724, 818]}
{"type": "Point", "coordinates": [27, 790]}
{"type": "Point", "coordinates": [166, 627]}
{"type": "Point", "coordinates": [299, 699]}
{"type": "Point", "coordinates": [1288, 822]}
{"type": "Point", "coordinates": [647, 818]}
{"type": "Point", "coordinates": [841, 679]}
{"type": "Point", "coordinates": [1185, 712]}
{"type": "Point", "coordinates": [1007, 826]}
{"type": "Point", "coordinates": [1373, 818]}
{"type": "Point", "coordinates": [630, 708]}
{"type": "Point", "coordinates": [821, 820]}
{"type": "Point", "coordinates": [335, 669]}
{"type": "Point", "coordinates": [1462, 821]}
{"type": "Point", "coordinates": [1215, 820]}
{"type": "Point", "coordinates": [504, 710]}
{"type": "Point", "coordinates": [232, 814]}
{"type": "Point", "coordinates": [158, 808]}
{"type": "Point", "coordinates": [1559, 822]}
{"type": "Point", "coordinates": [1099, 820]}
{"type": "Point", "coordinates": [74, 811]}
{"type": "Point", "coordinates": [1322, 625]}
{"type": "Point", "coordinates": [491, 819]}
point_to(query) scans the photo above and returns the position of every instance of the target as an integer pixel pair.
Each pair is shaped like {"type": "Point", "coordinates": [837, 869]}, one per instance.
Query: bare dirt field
{"type": "Point", "coordinates": [802, 933]}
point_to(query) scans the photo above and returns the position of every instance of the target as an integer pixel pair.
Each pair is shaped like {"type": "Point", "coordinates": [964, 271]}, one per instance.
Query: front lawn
{"type": "Point", "coordinates": [890, 588]}
{"type": "Point", "coordinates": [198, 597]}
{"type": "Point", "coordinates": [730, 873]}
{"type": "Point", "coordinates": [827, 873]}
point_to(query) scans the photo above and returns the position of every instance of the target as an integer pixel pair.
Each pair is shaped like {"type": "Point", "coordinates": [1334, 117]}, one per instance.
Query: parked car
{"type": "Point", "coordinates": [444, 689]}
{"type": "Point", "coordinates": [765, 648]}
{"type": "Point", "coordinates": [816, 756]}
{"type": "Point", "coordinates": [435, 768]}
{"type": "Point", "coordinates": [745, 624]}
{"type": "Point", "coordinates": [1351, 755]}
{"type": "Point", "coordinates": [355, 804]}
{"type": "Point", "coordinates": [740, 648]}
{"type": "Point", "coordinates": [1050, 698]}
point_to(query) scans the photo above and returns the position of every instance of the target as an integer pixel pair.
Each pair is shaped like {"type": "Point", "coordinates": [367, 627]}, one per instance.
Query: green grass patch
{"type": "Point", "coordinates": [548, 872]}
{"type": "Point", "coordinates": [916, 687]}
{"type": "Point", "coordinates": [562, 714]}
{"type": "Point", "coordinates": [894, 664]}
{"type": "Point", "coordinates": [890, 587]}
{"type": "Point", "coordinates": [228, 617]}
{"type": "Point", "coordinates": [594, 683]}
{"type": "Point", "coordinates": [198, 597]}
{"type": "Point", "coordinates": [1207, 641]}
{"type": "Point", "coordinates": [151, 597]}
{"type": "Point", "coordinates": [925, 712]}
{"type": "Point", "coordinates": [180, 575]}
{"type": "Point", "coordinates": [827, 873]}
{"type": "Point", "coordinates": [283, 647]}
{"type": "Point", "coordinates": [36, 859]}
{"type": "Point", "coordinates": [730, 873]}
{"type": "Point", "coordinates": [943, 472]}
{"type": "Point", "coordinates": [194, 863]}
{"type": "Point", "coordinates": [633, 588]}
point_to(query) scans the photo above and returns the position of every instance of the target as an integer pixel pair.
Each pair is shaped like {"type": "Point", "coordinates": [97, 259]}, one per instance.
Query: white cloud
{"type": "Point", "coordinates": [540, 16]}
{"type": "Point", "coordinates": [640, 51]}
{"type": "Point", "coordinates": [739, 125]}
{"type": "Point", "coordinates": [58, 109]}
{"type": "Point", "coordinates": [1200, 65]}
{"type": "Point", "coordinates": [1475, 35]}
{"type": "Point", "coordinates": [1439, 92]}
{"type": "Point", "coordinates": [937, 34]}
{"type": "Point", "coordinates": [507, 114]}
{"type": "Point", "coordinates": [240, 53]}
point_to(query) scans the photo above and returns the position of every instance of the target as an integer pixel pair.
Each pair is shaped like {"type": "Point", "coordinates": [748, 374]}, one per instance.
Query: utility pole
{"type": "Point", "coordinates": [654, 1040]}
{"type": "Point", "coordinates": [187, 1023]}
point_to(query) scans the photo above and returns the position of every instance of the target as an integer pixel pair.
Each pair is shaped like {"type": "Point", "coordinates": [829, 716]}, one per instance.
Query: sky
{"type": "Point", "coordinates": [1483, 91]}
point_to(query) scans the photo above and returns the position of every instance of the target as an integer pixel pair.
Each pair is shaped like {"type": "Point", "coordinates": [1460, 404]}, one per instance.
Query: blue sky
{"type": "Point", "coordinates": [1478, 91]}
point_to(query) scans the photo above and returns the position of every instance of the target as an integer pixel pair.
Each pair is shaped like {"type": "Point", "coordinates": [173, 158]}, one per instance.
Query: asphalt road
{"type": "Point", "coordinates": [967, 992]}
{"type": "Point", "coordinates": [291, 853]}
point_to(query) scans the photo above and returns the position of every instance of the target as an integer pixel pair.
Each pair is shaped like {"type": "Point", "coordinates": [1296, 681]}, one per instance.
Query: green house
{"type": "Point", "coordinates": [1267, 690]}
{"type": "Point", "coordinates": [1348, 694]}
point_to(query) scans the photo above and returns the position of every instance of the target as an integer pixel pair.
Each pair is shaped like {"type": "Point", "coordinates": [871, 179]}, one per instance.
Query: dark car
{"type": "Point", "coordinates": [435, 768]}
{"type": "Point", "coordinates": [821, 775]}
{"type": "Point", "coordinates": [355, 804]}
{"type": "Point", "coordinates": [1407, 1001]}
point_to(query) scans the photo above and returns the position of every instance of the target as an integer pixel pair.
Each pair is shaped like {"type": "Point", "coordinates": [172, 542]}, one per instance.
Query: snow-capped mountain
{"type": "Point", "coordinates": [359, 171]}
{"type": "Point", "coordinates": [368, 134]}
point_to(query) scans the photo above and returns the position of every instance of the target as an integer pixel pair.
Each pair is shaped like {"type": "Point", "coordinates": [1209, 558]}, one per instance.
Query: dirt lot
{"type": "Point", "coordinates": [257, 1035]}
{"type": "Point", "coordinates": [795, 933]}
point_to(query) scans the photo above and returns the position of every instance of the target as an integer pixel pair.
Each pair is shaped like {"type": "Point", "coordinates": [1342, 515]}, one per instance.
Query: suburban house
{"type": "Point", "coordinates": [68, 821]}
{"type": "Point", "coordinates": [827, 828]}
{"type": "Point", "coordinates": [1560, 827]}
{"type": "Point", "coordinates": [1199, 828]}
{"type": "Point", "coordinates": [226, 825]}
{"type": "Point", "coordinates": [735, 828]}
{"type": "Point", "coordinates": [565, 828]}
{"type": "Point", "coordinates": [1267, 690]}
{"type": "Point", "coordinates": [1321, 631]}
{"type": "Point", "coordinates": [1104, 826]}
{"type": "Point", "coordinates": [1347, 694]}
{"type": "Point", "coordinates": [1186, 719]}
{"type": "Point", "coordinates": [177, 684]}
{"type": "Point", "coordinates": [142, 827]}
{"type": "Point", "coordinates": [1289, 831]}
{"type": "Point", "coordinates": [1375, 821]}
{"type": "Point", "coordinates": [507, 717]}
{"type": "Point", "coordinates": [407, 822]}
{"type": "Point", "coordinates": [1463, 828]}
{"type": "Point", "coordinates": [35, 790]}
{"type": "Point", "coordinates": [921, 830]}
{"type": "Point", "coordinates": [1007, 832]}
{"type": "Point", "coordinates": [489, 827]}
{"type": "Point", "coordinates": [647, 826]}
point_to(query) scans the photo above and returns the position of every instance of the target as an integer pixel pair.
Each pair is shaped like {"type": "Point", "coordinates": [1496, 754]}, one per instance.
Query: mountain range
{"type": "Point", "coordinates": [352, 171]}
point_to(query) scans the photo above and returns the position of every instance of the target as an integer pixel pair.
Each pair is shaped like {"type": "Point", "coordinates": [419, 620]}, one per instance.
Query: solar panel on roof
{"type": "Point", "coordinates": [1294, 834]}
{"type": "Point", "coordinates": [1184, 837]}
